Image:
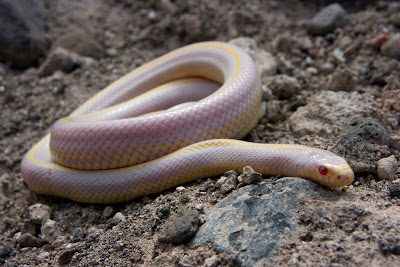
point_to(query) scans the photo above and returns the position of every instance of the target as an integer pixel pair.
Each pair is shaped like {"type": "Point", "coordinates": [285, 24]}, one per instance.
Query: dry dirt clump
{"type": "Point", "coordinates": [334, 87]}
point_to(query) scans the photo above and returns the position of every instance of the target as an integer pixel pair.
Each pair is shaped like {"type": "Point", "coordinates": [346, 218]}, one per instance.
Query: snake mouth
{"type": "Point", "coordinates": [345, 177]}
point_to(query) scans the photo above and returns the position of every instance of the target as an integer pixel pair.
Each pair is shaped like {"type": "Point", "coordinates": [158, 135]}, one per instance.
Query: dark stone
{"type": "Point", "coordinates": [369, 129]}
{"type": "Point", "coordinates": [361, 155]}
{"type": "Point", "coordinates": [66, 256]}
{"type": "Point", "coordinates": [252, 221]}
{"type": "Point", "coordinates": [28, 240]}
{"type": "Point", "coordinates": [180, 227]}
{"type": "Point", "coordinates": [394, 190]}
{"type": "Point", "coordinates": [22, 32]}
{"type": "Point", "coordinates": [78, 235]}
{"type": "Point", "coordinates": [6, 251]}
{"type": "Point", "coordinates": [163, 212]}
{"type": "Point", "coordinates": [184, 198]}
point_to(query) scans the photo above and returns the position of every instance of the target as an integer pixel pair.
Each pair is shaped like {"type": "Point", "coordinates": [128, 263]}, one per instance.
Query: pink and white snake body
{"type": "Point", "coordinates": [135, 138]}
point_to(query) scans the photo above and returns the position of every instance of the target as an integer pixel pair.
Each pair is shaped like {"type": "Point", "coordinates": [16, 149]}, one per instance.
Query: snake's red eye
{"type": "Point", "coordinates": [323, 170]}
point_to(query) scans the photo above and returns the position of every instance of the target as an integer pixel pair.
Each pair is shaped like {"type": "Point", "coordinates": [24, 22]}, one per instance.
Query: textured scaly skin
{"type": "Point", "coordinates": [109, 150]}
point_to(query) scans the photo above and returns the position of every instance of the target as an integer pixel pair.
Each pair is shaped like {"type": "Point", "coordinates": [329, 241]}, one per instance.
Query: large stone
{"type": "Point", "coordinates": [252, 222]}
{"type": "Point", "coordinates": [328, 113]}
{"type": "Point", "coordinates": [22, 32]}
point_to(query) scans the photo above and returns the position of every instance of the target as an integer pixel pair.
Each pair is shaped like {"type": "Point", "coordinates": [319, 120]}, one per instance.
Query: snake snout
{"type": "Point", "coordinates": [345, 177]}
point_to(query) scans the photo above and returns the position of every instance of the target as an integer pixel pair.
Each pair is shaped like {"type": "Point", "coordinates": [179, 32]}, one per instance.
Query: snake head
{"type": "Point", "coordinates": [328, 169]}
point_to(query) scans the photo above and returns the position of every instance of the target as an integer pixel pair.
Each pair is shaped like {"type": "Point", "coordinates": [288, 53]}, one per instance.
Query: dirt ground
{"type": "Point", "coordinates": [130, 33]}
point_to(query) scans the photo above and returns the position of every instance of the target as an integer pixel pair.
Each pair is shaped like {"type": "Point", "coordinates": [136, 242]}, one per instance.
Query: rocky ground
{"type": "Point", "coordinates": [330, 82]}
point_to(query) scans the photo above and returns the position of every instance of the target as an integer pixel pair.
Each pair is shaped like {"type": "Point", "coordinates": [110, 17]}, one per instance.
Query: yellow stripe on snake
{"type": "Point", "coordinates": [165, 124]}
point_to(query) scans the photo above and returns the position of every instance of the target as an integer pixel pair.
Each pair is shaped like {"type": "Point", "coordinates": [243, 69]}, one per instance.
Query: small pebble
{"type": "Point", "coordinates": [6, 251]}
{"type": "Point", "coordinates": [38, 213]}
{"type": "Point", "coordinates": [184, 198]}
{"type": "Point", "coordinates": [342, 79]}
{"type": "Point", "coordinates": [50, 231]}
{"type": "Point", "coordinates": [28, 240]}
{"type": "Point", "coordinates": [199, 207]}
{"type": "Point", "coordinates": [378, 40]}
{"type": "Point", "coordinates": [78, 235]}
{"type": "Point", "coordinates": [227, 183]}
{"type": "Point", "coordinates": [327, 67]}
{"type": "Point", "coordinates": [66, 256]}
{"type": "Point", "coordinates": [327, 20]}
{"type": "Point", "coordinates": [249, 176]}
{"type": "Point", "coordinates": [163, 212]}
{"type": "Point", "coordinates": [180, 189]}
{"type": "Point", "coordinates": [118, 217]}
{"type": "Point", "coordinates": [43, 255]}
{"type": "Point", "coordinates": [29, 227]}
{"type": "Point", "coordinates": [394, 190]}
{"type": "Point", "coordinates": [387, 168]}
{"type": "Point", "coordinates": [212, 262]}
{"type": "Point", "coordinates": [58, 59]}
{"type": "Point", "coordinates": [108, 212]}
{"type": "Point", "coordinates": [79, 42]}
{"type": "Point", "coordinates": [392, 47]}
{"type": "Point", "coordinates": [284, 86]}
{"type": "Point", "coordinates": [180, 227]}
{"type": "Point", "coordinates": [338, 54]}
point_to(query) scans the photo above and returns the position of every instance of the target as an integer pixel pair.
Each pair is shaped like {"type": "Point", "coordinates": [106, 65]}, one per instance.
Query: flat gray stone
{"type": "Point", "coordinates": [252, 221]}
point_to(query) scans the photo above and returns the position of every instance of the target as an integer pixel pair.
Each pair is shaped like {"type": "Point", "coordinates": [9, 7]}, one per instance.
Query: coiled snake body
{"type": "Point", "coordinates": [135, 137]}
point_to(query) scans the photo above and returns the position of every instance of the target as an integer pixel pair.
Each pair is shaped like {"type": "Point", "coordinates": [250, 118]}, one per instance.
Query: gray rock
{"type": "Point", "coordinates": [369, 129]}
{"type": "Point", "coordinates": [50, 231]}
{"type": "Point", "coordinates": [249, 176]}
{"type": "Point", "coordinates": [108, 211]}
{"type": "Point", "coordinates": [252, 222]}
{"type": "Point", "coordinates": [327, 20]}
{"type": "Point", "coordinates": [359, 154]}
{"type": "Point", "coordinates": [184, 198]}
{"type": "Point", "coordinates": [394, 190]}
{"type": "Point", "coordinates": [78, 235]}
{"type": "Point", "coordinates": [387, 168]}
{"type": "Point", "coordinates": [29, 227]}
{"type": "Point", "coordinates": [227, 182]}
{"type": "Point", "coordinates": [28, 240]}
{"type": "Point", "coordinates": [59, 59]}
{"type": "Point", "coordinates": [328, 112]}
{"type": "Point", "coordinates": [180, 227]}
{"type": "Point", "coordinates": [22, 31]}
{"type": "Point", "coordinates": [38, 213]}
{"type": "Point", "coordinates": [79, 42]}
{"type": "Point", "coordinates": [284, 86]}
{"type": "Point", "coordinates": [66, 256]}
{"type": "Point", "coordinates": [276, 110]}
{"type": "Point", "coordinates": [342, 79]}
{"type": "Point", "coordinates": [118, 217]}
{"type": "Point", "coordinates": [6, 251]}
{"type": "Point", "coordinates": [392, 47]}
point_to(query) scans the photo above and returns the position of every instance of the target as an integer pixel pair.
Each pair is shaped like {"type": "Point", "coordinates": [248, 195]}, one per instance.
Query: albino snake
{"type": "Point", "coordinates": [117, 146]}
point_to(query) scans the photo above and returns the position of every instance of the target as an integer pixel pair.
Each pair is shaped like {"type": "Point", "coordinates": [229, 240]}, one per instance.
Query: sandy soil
{"type": "Point", "coordinates": [134, 32]}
